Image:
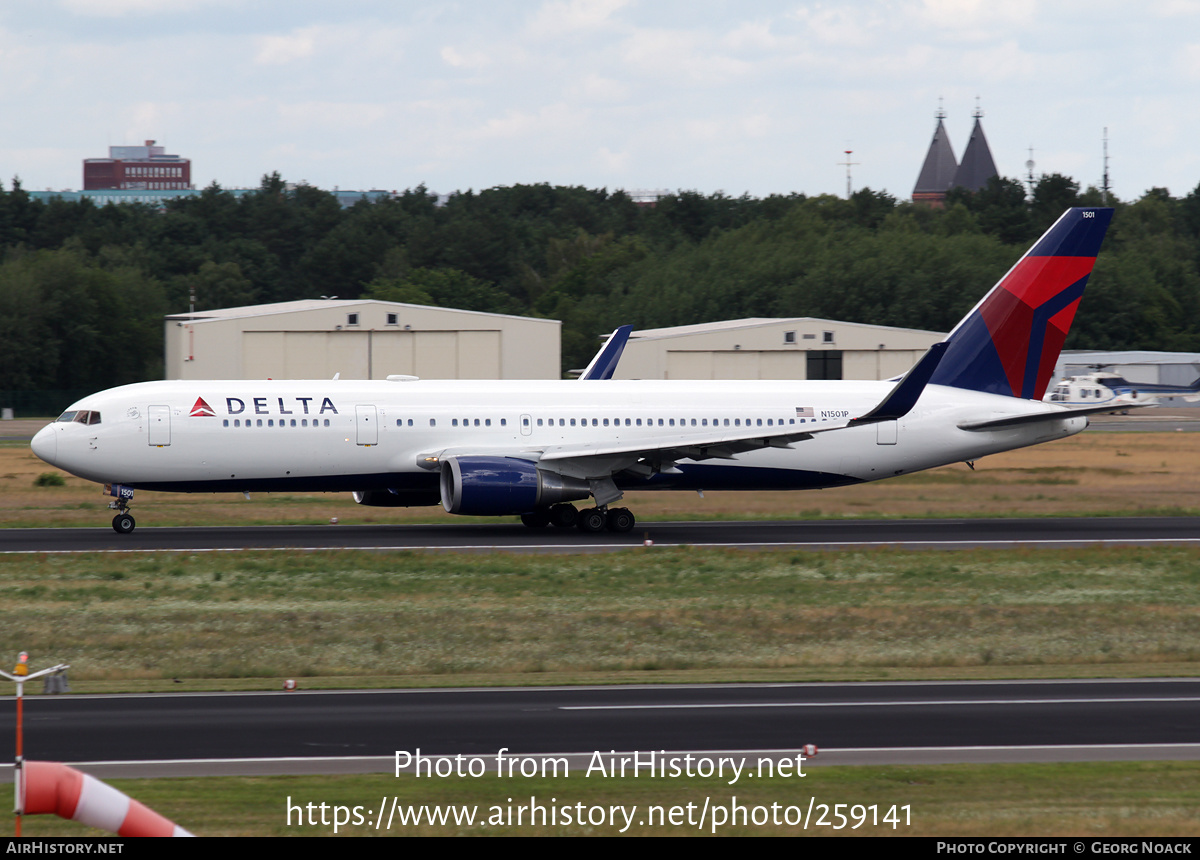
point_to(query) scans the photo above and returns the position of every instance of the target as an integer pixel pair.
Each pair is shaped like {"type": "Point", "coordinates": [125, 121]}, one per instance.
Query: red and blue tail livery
{"type": "Point", "coordinates": [1010, 342]}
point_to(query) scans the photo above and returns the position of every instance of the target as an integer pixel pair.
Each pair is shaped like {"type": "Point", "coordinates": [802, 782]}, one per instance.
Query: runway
{"type": "Point", "coordinates": [316, 732]}
{"type": "Point", "coordinates": [479, 537]}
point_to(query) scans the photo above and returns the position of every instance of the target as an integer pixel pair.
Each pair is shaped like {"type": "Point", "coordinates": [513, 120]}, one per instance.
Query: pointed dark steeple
{"type": "Point", "coordinates": [977, 166]}
{"type": "Point", "coordinates": [937, 173]}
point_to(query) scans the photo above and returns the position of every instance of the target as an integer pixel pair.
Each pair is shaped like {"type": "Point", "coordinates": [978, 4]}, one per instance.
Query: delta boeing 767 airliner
{"type": "Point", "coordinates": [530, 448]}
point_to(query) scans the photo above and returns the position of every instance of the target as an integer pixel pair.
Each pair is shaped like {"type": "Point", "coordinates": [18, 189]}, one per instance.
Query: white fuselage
{"type": "Point", "coordinates": [336, 435]}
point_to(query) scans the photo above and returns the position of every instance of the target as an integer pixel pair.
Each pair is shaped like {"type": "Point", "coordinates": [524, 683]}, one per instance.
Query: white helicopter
{"type": "Point", "coordinates": [1101, 387]}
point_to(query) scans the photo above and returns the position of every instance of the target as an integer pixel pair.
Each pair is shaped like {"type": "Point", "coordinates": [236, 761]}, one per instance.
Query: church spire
{"type": "Point", "coordinates": [977, 165]}
{"type": "Point", "coordinates": [938, 171]}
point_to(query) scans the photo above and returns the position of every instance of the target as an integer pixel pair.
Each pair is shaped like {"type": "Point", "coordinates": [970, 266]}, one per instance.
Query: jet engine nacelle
{"type": "Point", "coordinates": [395, 499]}
{"type": "Point", "coordinates": [496, 486]}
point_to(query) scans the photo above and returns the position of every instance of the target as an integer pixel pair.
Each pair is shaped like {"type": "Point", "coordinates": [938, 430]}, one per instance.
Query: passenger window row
{"type": "Point", "coordinates": [618, 422]}
{"type": "Point", "coordinates": [666, 422]}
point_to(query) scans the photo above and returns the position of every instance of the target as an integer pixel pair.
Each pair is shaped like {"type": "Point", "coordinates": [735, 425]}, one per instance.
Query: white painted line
{"type": "Point", "coordinates": [576, 547]}
{"type": "Point", "coordinates": [900, 704]}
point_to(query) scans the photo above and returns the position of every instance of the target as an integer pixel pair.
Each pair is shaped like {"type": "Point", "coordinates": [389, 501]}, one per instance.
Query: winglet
{"type": "Point", "coordinates": [904, 396]}
{"type": "Point", "coordinates": [605, 363]}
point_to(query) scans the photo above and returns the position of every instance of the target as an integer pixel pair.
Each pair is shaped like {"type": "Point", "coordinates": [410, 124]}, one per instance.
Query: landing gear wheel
{"type": "Point", "coordinates": [536, 519]}
{"type": "Point", "coordinates": [123, 524]}
{"type": "Point", "coordinates": [563, 516]}
{"type": "Point", "coordinates": [620, 520]}
{"type": "Point", "coordinates": [592, 520]}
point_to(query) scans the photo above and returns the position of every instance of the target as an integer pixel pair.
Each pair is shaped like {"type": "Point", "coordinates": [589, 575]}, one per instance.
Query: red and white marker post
{"type": "Point", "coordinates": [19, 676]}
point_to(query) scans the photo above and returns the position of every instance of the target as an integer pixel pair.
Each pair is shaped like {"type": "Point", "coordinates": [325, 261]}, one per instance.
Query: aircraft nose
{"type": "Point", "coordinates": [45, 444]}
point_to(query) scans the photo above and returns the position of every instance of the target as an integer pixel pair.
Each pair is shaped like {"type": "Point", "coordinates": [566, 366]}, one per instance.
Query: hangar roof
{"type": "Point", "coordinates": [757, 322]}
{"type": "Point", "coordinates": [320, 305]}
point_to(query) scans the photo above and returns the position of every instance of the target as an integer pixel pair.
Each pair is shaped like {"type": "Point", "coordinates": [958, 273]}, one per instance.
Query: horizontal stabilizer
{"type": "Point", "coordinates": [1056, 415]}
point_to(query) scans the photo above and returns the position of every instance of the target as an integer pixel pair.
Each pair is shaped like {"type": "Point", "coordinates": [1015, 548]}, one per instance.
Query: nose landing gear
{"type": "Point", "coordinates": [123, 523]}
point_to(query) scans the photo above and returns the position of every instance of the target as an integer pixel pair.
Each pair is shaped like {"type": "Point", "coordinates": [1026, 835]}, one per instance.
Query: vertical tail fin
{"type": "Point", "coordinates": [1009, 343]}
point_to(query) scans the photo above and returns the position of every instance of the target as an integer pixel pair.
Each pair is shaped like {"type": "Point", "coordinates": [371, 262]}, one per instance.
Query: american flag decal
{"type": "Point", "coordinates": [804, 412]}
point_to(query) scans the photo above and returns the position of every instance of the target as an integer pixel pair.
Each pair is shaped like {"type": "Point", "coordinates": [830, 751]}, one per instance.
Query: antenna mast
{"type": "Point", "coordinates": [1104, 186]}
{"type": "Point", "coordinates": [848, 163]}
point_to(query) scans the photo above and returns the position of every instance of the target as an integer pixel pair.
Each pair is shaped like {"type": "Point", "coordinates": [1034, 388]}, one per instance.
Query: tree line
{"type": "Point", "coordinates": [84, 288]}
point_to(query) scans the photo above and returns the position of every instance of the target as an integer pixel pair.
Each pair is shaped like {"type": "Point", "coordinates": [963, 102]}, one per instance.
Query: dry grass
{"type": "Point", "coordinates": [656, 615]}
{"type": "Point", "coordinates": [1089, 474]}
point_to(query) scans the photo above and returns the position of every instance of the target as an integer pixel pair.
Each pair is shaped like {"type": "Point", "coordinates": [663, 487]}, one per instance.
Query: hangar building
{"type": "Point", "coordinates": [359, 339]}
{"type": "Point", "coordinates": [765, 348]}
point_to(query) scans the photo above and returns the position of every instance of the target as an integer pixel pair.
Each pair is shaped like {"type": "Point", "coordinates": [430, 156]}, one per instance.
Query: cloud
{"type": "Point", "coordinates": [120, 8]}
{"type": "Point", "coordinates": [1175, 8]}
{"type": "Point", "coordinates": [280, 50]}
{"type": "Point", "coordinates": [603, 89]}
{"type": "Point", "coordinates": [681, 55]}
{"type": "Point", "coordinates": [839, 27]}
{"type": "Point", "coordinates": [753, 36]}
{"type": "Point", "coordinates": [1189, 61]}
{"type": "Point", "coordinates": [612, 162]}
{"type": "Point", "coordinates": [340, 115]}
{"type": "Point", "coordinates": [473, 60]}
{"type": "Point", "coordinates": [979, 19]}
{"type": "Point", "coordinates": [560, 17]}
{"type": "Point", "coordinates": [549, 122]}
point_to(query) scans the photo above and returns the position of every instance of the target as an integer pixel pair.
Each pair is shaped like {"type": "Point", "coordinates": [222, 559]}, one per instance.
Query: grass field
{"type": "Point", "coordinates": [255, 618]}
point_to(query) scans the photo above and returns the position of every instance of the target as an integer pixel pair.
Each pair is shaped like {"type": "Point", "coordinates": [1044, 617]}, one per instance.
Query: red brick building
{"type": "Point", "coordinates": [137, 167]}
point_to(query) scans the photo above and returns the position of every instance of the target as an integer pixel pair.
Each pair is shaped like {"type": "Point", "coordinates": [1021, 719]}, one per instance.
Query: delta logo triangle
{"type": "Point", "coordinates": [202, 409]}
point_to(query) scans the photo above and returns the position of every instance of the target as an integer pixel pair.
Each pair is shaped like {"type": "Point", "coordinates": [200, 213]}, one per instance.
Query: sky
{"type": "Point", "coordinates": [754, 96]}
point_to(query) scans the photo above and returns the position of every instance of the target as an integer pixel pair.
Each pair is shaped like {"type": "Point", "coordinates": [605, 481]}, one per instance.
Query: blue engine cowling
{"type": "Point", "coordinates": [496, 486]}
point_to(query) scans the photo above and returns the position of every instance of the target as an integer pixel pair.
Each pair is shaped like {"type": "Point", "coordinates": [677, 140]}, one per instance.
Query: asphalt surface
{"type": "Point", "coordinates": [814, 534]}
{"type": "Point", "coordinates": [849, 723]}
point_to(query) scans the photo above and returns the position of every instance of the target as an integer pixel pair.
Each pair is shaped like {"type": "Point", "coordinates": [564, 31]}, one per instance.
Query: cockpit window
{"type": "Point", "coordinates": [81, 416]}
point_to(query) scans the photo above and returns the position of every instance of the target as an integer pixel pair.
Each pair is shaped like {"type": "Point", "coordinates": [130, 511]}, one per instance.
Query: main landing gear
{"type": "Point", "coordinates": [598, 519]}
